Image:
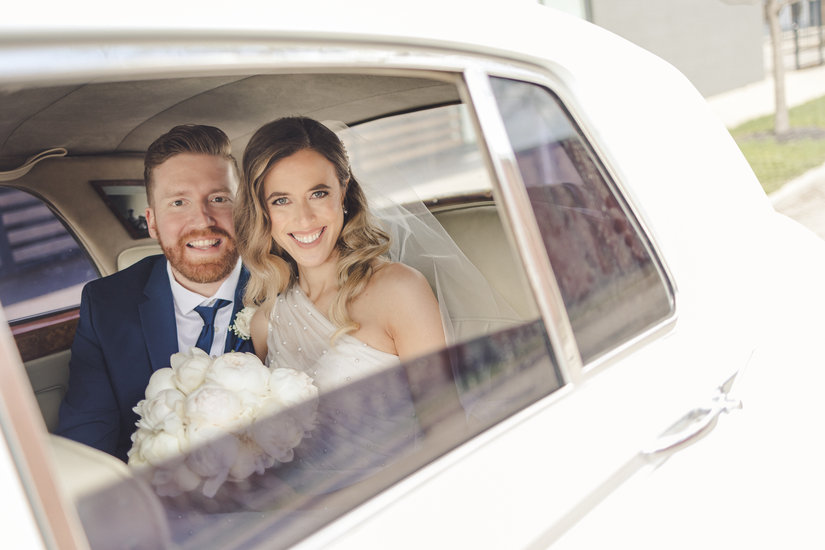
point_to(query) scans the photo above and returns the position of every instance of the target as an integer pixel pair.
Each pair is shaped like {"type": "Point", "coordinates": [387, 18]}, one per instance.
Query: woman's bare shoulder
{"type": "Point", "coordinates": [405, 303]}
{"type": "Point", "coordinates": [395, 276]}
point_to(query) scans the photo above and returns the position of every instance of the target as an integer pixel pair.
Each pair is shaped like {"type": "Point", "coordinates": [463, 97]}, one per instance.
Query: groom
{"type": "Point", "coordinates": [131, 322]}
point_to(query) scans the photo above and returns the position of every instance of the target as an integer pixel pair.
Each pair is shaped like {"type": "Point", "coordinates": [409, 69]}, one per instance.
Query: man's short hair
{"type": "Point", "coordinates": [186, 138]}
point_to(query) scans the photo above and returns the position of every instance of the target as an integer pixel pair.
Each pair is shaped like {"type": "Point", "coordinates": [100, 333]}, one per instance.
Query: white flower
{"type": "Point", "coordinates": [162, 379]}
{"type": "Point", "coordinates": [295, 392]}
{"type": "Point", "coordinates": [161, 449]}
{"type": "Point", "coordinates": [278, 435]}
{"type": "Point", "coordinates": [292, 387]}
{"type": "Point", "coordinates": [175, 480]}
{"type": "Point", "coordinates": [163, 412]}
{"type": "Point", "coordinates": [206, 421]}
{"type": "Point", "coordinates": [242, 322]}
{"type": "Point", "coordinates": [251, 459]}
{"type": "Point", "coordinates": [213, 460]}
{"type": "Point", "coordinates": [135, 455]}
{"type": "Point", "coordinates": [190, 369]}
{"type": "Point", "coordinates": [212, 405]}
{"type": "Point", "coordinates": [238, 372]}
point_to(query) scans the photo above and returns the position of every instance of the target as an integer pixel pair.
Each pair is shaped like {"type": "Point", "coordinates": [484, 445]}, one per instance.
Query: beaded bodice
{"type": "Point", "coordinates": [299, 338]}
{"type": "Point", "coordinates": [366, 416]}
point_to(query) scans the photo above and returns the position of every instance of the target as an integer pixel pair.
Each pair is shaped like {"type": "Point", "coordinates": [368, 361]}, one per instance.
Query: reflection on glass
{"type": "Point", "coordinates": [42, 268]}
{"type": "Point", "coordinates": [611, 285]}
{"type": "Point", "coordinates": [371, 433]}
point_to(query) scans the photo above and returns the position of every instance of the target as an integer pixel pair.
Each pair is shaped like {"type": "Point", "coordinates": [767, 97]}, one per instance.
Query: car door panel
{"type": "Point", "coordinates": [44, 345]}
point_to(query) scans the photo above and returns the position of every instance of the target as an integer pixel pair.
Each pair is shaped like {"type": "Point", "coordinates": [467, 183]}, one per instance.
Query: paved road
{"type": "Point", "coordinates": [804, 200]}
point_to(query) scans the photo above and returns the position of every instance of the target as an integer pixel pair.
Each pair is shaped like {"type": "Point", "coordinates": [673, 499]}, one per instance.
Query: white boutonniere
{"type": "Point", "coordinates": [242, 321]}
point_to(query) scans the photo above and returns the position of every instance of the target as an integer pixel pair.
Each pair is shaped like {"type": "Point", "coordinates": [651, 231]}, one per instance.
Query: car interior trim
{"type": "Point", "coordinates": [46, 334]}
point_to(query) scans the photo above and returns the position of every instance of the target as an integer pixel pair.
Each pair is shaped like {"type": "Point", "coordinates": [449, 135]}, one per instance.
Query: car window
{"type": "Point", "coordinates": [434, 151]}
{"type": "Point", "coordinates": [611, 284]}
{"type": "Point", "coordinates": [42, 267]}
{"type": "Point", "coordinates": [374, 431]}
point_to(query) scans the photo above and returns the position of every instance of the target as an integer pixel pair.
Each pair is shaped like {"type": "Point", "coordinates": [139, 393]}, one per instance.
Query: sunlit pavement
{"type": "Point", "coordinates": [803, 199]}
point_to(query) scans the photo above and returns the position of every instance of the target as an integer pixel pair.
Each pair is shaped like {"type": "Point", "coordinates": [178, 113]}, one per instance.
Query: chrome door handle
{"type": "Point", "coordinates": [693, 426]}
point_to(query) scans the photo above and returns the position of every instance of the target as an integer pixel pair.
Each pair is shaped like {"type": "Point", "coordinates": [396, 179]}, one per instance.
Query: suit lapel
{"type": "Point", "coordinates": [232, 340]}
{"type": "Point", "coordinates": [157, 317]}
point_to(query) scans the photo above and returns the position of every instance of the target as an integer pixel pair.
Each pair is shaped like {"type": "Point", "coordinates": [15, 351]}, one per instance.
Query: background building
{"type": "Point", "coordinates": [717, 44]}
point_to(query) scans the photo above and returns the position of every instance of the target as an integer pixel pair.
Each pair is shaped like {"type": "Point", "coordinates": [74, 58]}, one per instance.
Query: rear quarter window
{"type": "Point", "coordinates": [42, 266]}
{"type": "Point", "coordinates": [612, 285]}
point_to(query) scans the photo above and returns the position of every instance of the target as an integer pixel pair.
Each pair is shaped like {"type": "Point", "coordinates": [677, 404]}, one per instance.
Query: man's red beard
{"type": "Point", "coordinates": [208, 271]}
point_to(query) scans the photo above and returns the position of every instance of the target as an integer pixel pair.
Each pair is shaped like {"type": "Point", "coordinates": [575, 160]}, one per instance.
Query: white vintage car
{"type": "Point", "coordinates": [654, 382]}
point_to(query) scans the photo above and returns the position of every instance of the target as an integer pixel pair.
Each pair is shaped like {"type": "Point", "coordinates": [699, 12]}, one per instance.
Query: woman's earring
{"type": "Point", "coordinates": [345, 211]}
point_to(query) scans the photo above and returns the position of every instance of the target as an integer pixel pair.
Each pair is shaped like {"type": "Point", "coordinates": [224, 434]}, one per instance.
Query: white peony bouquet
{"type": "Point", "coordinates": [208, 420]}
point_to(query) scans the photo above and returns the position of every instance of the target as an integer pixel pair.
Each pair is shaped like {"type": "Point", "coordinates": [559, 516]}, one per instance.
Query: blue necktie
{"type": "Point", "coordinates": [207, 334]}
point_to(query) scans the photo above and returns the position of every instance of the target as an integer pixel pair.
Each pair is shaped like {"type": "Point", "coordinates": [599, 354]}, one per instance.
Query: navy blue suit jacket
{"type": "Point", "coordinates": [126, 332]}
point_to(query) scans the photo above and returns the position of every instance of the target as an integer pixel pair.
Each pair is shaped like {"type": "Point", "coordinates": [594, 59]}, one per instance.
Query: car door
{"type": "Point", "coordinates": [641, 370]}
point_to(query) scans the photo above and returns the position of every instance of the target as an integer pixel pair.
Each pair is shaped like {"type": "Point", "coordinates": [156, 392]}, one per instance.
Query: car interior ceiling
{"type": "Point", "coordinates": [126, 116]}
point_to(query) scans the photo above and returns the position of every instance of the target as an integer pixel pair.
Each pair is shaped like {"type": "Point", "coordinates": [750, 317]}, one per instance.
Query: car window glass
{"type": "Point", "coordinates": [434, 152]}
{"type": "Point", "coordinates": [611, 285]}
{"type": "Point", "coordinates": [42, 267]}
{"type": "Point", "coordinates": [371, 433]}
{"type": "Point", "coordinates": [375, 430]}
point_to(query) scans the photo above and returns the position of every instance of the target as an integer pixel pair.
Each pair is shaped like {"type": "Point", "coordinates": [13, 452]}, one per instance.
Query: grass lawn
{"type": "Point", "coordinates": [779, 161]}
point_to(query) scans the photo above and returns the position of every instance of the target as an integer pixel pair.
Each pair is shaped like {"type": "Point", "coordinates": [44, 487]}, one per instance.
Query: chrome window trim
{"type": "Point", "coordinates": [614, 178]}
{"type": "Point", "coordinates": [518, 214]}
{"type": "Point", "coordinates": [128, 57]}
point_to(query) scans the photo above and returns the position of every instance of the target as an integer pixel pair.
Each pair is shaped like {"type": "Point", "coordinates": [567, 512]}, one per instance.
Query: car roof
{"type": "Point", "coordinates": [630, 95]}
{"type": "Point", "coordinates": [71, 48]}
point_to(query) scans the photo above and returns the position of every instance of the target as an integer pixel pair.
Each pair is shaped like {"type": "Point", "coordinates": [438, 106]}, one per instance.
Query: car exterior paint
{"type": "Point", "coordinates": [538, 478]}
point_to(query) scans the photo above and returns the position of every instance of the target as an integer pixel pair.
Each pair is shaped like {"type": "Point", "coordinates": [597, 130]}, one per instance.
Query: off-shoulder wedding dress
{"type": "Point", "coordinates": [365, 417]}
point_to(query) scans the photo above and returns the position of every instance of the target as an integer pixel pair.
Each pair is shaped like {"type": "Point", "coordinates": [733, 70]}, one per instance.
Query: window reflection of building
{"type": "Point", "coordinates": [42, 268]}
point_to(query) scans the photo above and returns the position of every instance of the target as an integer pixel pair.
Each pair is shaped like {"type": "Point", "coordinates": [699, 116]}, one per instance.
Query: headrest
{"type": "Point", "coordinates": [136, 253]}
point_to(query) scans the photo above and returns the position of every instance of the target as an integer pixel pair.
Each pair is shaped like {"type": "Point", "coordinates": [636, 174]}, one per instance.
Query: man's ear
{"type": "Point", "coordinates": [151, 223]}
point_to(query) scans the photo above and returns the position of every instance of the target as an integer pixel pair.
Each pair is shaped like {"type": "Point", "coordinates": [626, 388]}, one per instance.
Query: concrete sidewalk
{"type": "Point", "coordinates": [755, 100]}
{"type": "Point", "coordinates": [802, 198]}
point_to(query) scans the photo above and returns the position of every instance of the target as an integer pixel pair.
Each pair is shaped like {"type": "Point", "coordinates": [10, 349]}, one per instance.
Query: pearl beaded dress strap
{"type": "Point", "coordinates": [299, 338]}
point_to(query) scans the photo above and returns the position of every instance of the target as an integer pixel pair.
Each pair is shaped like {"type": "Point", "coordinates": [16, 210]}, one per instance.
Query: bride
{"type": "Point", "coordinates": [330, 303]}
{"type": "Point", "coordinates": [306, 235]}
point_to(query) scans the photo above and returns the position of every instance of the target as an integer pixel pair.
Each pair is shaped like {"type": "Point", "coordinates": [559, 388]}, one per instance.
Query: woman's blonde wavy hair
{"type": "Point", "coordinates": [272, 270]}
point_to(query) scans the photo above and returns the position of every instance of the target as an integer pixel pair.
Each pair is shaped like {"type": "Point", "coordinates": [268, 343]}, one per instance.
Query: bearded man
{"type": "Point", "coordinates": [131, 322]}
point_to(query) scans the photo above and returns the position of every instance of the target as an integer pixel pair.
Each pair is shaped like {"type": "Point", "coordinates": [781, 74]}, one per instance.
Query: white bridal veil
{"type": "Point", "coordinates": [469, 304]}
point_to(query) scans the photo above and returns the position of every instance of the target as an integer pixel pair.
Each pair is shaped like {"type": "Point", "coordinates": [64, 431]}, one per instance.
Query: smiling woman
{"type": "Point", "coordinates": [315, 233]}
{"type": "Point", "coordinates": [302, 211]}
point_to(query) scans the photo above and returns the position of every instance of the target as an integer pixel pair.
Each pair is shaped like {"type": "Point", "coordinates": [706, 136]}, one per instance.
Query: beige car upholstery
{"type": "Point", "coordinates": [49, 377]}
{"type": "Point", "coordinates": [105, 492]}
{"type": "Point", "coordinates": [136, 253]}
{"type": "Point", "coordinates": [479, 232]}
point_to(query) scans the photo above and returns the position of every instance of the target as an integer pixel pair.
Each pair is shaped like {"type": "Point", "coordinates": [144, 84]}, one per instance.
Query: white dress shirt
{"type": "Point", "coordinates": [190, 323]}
